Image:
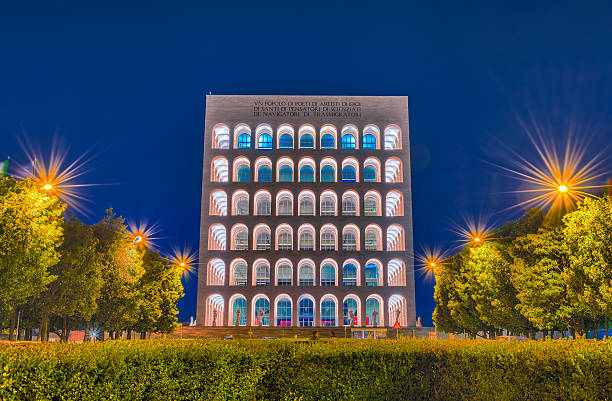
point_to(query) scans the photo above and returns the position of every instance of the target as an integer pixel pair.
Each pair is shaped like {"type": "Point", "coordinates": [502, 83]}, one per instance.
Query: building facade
{"type": "Point", "coordinates": [306, 212]}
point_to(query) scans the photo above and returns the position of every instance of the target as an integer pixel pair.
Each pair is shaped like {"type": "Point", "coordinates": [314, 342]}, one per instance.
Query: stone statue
{"type": "Point", "coordinates": [375, 318]}
{"type": "Point", "coordinates": [397, 315]}
{"type": "Point", "coordinates": [214, 322]}
{"type": "Point", "coordinates": [260, 314]}
{"type": "Point", "coordinates": [352, 317]}
{"type": "Point", "coordinates": [237, 317]}
{"type": "Point", "coordinates": [418, 323]}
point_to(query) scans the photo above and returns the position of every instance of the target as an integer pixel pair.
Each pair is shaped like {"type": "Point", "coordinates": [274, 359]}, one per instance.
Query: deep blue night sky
{"type": "Point", "coordinates": [130, 81]}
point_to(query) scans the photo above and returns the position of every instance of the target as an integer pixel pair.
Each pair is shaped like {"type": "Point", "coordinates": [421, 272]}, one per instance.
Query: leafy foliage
{"type": "Point", "coordinates": [309, 370]}
{"type": "Point", "coordinates": [30, 232]}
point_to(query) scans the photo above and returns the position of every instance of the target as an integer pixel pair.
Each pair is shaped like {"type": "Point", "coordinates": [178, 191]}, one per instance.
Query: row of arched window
{"type": "Point", "coordinates": [329, 238]}
{"type": "Point", "coordinates": [306, 311]}
{"type": "Point", "coordinates": [306, 170]}
{"type": "Point", "coordinates": [306, 134]}
{"type": "Point", "coordinates": [328, 202]}
{"type": "Point", "coordinates": [306, 274]}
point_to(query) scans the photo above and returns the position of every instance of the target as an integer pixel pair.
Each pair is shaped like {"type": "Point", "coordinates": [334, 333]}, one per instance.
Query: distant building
{"type": "Point", "coordinates": [306, 212]}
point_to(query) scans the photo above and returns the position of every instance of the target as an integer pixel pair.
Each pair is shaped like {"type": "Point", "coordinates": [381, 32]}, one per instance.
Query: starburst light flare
{"type": "Point", "coordinates": [184, 259]}
{"type": "Point", "coordinates": [556, 182]}
{"type": "Point", "coordinates": [430, 260]}
{"type": "Point", "coordinates": [54, 175]}
{"type": "Point", "coordinates": [143, 233]}
{"type": "Point", "coordinates": [474, 231]}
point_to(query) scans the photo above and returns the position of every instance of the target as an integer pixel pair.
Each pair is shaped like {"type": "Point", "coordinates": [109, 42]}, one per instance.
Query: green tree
{"type": "Point", "coordinates": [73, 295]}
{"type": "Point", "coordinates": [588, 240]}
{"type": "Point", "coordinates": [30, 232]}
{"type": "Point", "coordinates": [118, 305]}
{"type": "Point", "coordinates": [172, 291]}
{"type": "Point", "coordinates": [444, 290]}
{"type": "Point", "coordinates": [489, 272]}
{"type": "Point", "coordinates": [150, 286]}
{"type": "Point", "coordinates": [545, 282]}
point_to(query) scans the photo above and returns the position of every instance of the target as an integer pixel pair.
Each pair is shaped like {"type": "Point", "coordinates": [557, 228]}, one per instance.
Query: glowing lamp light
{"type": "Point", "coordinates": [477, 239]}
{"type": "Point", "coordinates": [47, 187]}
{"type": "Point", "coordinates": [182, 264]}
{"type": "Point", "coordinates": [138, 239]}
{"type": "Point", "coordinates": [432, 264]}
{"type": "Point", "coordinates": [562, 188]}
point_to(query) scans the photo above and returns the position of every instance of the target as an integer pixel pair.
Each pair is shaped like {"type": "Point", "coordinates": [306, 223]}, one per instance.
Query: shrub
{"type": "Point", "coordinates": [308, 370]}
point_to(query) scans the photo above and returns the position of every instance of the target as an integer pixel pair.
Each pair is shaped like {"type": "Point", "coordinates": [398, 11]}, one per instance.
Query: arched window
{"type": "Point", "coordinates": [285, 141]}
{"type": "Point", "coordinates": [240, 274]}
{"type": "Point", "coordinates": [328, 174]}
{"type": "Point", "coordinates": [328, 275]}
{"type": "Point", "coordinates": [394, 203]}
{"type": "Point", "coordinates": [285, 174]}
{"type": "Point", "coordinates": [306, 174]}
{"type": "Point", "coordinates": [239, 304]}
{"type": "Point", "coordinates": [242, 206]}
{"type": "Point", "coordinates": [219, 169]}
{"type": "Point", "coordinates": [285, 206]}
{"type": "Point", "coordinates": [371, 240]}
{"type": "Point", "coordinates": [372, 203]}
{"type": "Point", "coordinates": [348, 174]}
{"type": "Point", "coordinates": [261, 318]}
{"type": "Point", "coordinates": [349, 206]}
{"type": "Point", "coordinates": [242, 136]}
{"type": "Point", "coordinates": [262, 274]}
{"type": "Point", "coordinates": [369, 174]}
{"type": "Point", "coordinates": [283, 312]}
{"type": "Point", "coordinates": [372, 319]}
{"type": "Point", "coordinates": [306, 312]}
{"type": "Point", "coordinates": [395, 238]}
{"type": "Point", "coordinates": [264, 141]}
{"type": "Point", "coordinates": [393, 170]}
{"type": "Point", "coordinates": [216, 237]}
{"type": "Point", "coordinates": [241, 240]}
{"type": "Point", "coordinates": [328, 206]}
{"type": "Point", "coordinates": [327, 141]}
{"type": "Point", "coordinates": [215, 272]}
{"type": "Point", "coordinates": [349, 241]}
{"type": "Point", "coordinates": [369, 141]}
{"type": "Point", "coordinates": [262, 241]}
{"type": "Point", "coordinates": [328, 240]}
{"type": "Point", "coordinates": [396, 272]}
{"type": "Point", "coordinates": [306, 206]}
{"type": "Point", "coordinates": [306, 141]}
{"type": "Point", "coordinates": [393, 137]}
{"type": "Point", "coordinates": [263, 206]}
{"type": "Point", "coordinates": [264, 174]}
{"type": "Point", "coordinates": [243, 173]}
{"type": "Point", "coordinates": [244, 141]}
{"type": "Point", "coordinates": [349, 275]}
{"type": "Point", "coordinates": [348, 141]}
{"type": "Point", "coordinates": [221, 137]}
{"type": "Point", "coordinates": [218, 203]}
{"type": "Point", "coordinates": [350, 305]}
{"type": "Point", "coordinates": [371, 275]}
{"type": "Point", "coordinates": [306, 275]}
{"type": "Point", "coordinates": [328, 312]}
{"type": "Point", "coordinates": [284, 241]}
{"type": "Point", "coordinates": [306, 240]}
{"type": "Point", "coordinates": [284, 275]}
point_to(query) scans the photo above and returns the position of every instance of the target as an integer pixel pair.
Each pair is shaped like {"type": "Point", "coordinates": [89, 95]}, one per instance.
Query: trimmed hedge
{"type": "Point", "coordinates": [308, 370]}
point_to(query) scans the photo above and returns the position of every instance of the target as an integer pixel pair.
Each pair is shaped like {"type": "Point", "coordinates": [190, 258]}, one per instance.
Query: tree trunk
{"type": "Point", "coordinates": [12, 325]}
{"type": "Point", "coordinates": [129, 334]}
{"type": "Point", "coordinates": [606, 323]}
{"type": "Point", "coordinates": [44, 326]}
{"type": "Point", "coordinates": [143, 335]}
{"type": "Point", "coordinates": [28, 335]}
{"type": "Point", "coordinates": [64, 337]}
{"type": "Point", "coordinates": [111, 335]}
